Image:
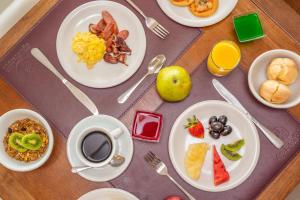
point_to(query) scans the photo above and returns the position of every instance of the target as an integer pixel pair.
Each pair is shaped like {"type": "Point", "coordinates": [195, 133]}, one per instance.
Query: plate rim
{"type": "Point", "coordinates": [59, 37]}
{"type": "Point", "coordinates": [192, 24]}
{"type": "Point", "coordinates": [109, 190]}
{"type": "Point", "coordinates": [72, 133]}
{"type": "Point", "coordinates": [188, 180]}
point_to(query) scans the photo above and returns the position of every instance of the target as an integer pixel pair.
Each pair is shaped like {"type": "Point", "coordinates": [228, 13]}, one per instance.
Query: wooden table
{"type": "Point", "coordinates": [55, 181]}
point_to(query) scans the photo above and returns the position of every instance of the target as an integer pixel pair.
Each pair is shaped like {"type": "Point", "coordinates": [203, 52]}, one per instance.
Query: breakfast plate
{"type": "Point", "coordinates": [124, 143]}
{"type": "Point", "coordinates": [242, 128]}
{"type": "Point", "coordinates": [108, 194]}
{"type": "Point", "coordinates": [183, 16]}
{"type": "Point", "coordinates": [103, 74]}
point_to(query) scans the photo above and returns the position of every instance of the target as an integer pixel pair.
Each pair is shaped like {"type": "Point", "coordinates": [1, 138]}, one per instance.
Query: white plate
{"type": "Point", "coordinates": [239, 170]}
{"type": "Point", "coordinates": [108, 194]}
{"type": "Point", "coordinates": [183, 16]}
{"type": "Point", "coordinates": [103, 75]}
{"type": "Point", "coordinates": [258, 74]}
{"type": "Point", "coordinates": [5, 121]}
{"type": "Point", "coordinates": [125, 148]}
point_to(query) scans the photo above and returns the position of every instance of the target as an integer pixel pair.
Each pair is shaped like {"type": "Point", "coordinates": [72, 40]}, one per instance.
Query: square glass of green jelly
{"type": "Point", "coordinates": [248, 27]}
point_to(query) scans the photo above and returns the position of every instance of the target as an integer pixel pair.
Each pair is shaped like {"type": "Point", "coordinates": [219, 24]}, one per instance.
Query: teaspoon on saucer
{"type": "Point", "coordinates": [116, 161]}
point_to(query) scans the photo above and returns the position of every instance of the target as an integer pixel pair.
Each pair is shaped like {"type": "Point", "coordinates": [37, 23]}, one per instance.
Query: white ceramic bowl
{"type": "Point", "coordinates": [258, 74]}
{"type": "Point", "coordinates": [5, 121]}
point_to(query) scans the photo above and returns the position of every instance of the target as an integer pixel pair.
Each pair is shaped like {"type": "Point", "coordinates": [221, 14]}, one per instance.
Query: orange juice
{"type": "Point", "coordinates": [223, 58]}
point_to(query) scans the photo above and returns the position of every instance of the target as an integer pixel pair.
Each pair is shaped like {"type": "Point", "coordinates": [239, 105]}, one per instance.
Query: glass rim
{"type": "Point", "coordinates": [221, 67]}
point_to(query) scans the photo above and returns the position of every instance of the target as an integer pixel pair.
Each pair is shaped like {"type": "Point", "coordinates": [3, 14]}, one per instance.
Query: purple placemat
{"type": "Point", "coordinates": [141, 180]}
{"type": "Point", "coordinates": [44, 91]}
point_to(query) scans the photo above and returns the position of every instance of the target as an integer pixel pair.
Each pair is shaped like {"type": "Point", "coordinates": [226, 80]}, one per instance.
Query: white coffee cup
{"type": "Point", "coordinates": [113, 135]}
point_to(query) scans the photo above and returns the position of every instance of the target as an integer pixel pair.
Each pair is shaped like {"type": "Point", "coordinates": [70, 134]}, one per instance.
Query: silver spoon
{"type": "Point", "coordinates": [153, 68]}
{"type": "Point", "coordinates": [116, 161]}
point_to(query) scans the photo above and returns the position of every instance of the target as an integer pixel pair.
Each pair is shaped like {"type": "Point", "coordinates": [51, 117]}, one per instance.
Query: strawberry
{"type": "Point", "coordinates": [195, 127]}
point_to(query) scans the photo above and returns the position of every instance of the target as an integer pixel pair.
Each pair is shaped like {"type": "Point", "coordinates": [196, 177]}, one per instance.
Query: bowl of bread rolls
{"type": "Point", "coordinates": [274, 79]}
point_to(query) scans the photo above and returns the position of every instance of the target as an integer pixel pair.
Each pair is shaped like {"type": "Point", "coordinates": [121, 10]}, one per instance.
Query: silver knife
{"type": "Point", "coordinates": [276, 141]}
{"type": "Point", "coordinates": [81, 97]}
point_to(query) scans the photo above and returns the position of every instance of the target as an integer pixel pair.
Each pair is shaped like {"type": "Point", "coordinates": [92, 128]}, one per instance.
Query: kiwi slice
{"type": "Point", "coordinates": [15, 141]}
{"type": "Point", "coordinates": [229, 154]}
{"type": "Point", "coordinates": [237, 145]}
{"type": "Point", "coordinates": [32, 141]}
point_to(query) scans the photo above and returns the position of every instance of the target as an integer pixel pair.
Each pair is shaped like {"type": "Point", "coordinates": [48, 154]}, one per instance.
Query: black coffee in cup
{"type": "Point", "coordinates": [96, 146]}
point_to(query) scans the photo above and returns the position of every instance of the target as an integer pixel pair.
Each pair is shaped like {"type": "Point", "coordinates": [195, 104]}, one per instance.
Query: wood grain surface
{"type": "Point", "coordinates": [285, 13]}
{"type": "Point", "coordinates": [55, 181]}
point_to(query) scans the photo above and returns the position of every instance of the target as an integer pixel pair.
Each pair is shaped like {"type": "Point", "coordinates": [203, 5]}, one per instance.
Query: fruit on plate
{"type": "Point", "coordinates": [173, 198]}
{"type": "Point", "coordinates": [236, 146]}
{"type": "Point", "coordinates": [194, 159]}
{"type": "Point", "coordinates": [230, 155]}
{"type": "Point", "coordinates": [223, 119]}
{"type": "Point", "coordinates": [218, 126]}
{"type": "Point", "coordinates": [15, 141]}
{"type": "Point", "coordinates": [173, 83]}
{"type": "Point", "coordinates": [32, 141]}
{"type": "Point", "coordinates": [195, 127]}
{"type": "Point", "coordinates": [181, 2]}
{"type": "Point", "coordinates": [283, 70]}
{"type": "Point", "coordinates": [226, 131]}
{"type": "Point", "coordinates": [230, 150]}
{"type": "Point", "coordinates": [220, 173]}
{"type": "Point", "coordinates": [204, 8]}
{"type": "Point", "coordinates": [274, 92]}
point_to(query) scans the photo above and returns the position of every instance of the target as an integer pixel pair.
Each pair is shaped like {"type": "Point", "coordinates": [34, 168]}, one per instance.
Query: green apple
{"type": "Point", "coordinates": [173, 83]}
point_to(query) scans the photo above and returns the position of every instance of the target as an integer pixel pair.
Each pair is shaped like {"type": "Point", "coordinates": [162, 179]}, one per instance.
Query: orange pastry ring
{"type": "Point", "coordinates": [205, 13]}
{"type": "Point", "coordinates": [182, 2]}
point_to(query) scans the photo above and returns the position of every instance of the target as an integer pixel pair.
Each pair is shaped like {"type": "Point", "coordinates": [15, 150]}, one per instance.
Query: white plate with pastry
{"type": "Point", "coordinates": [274, 79]}
{"type": "Point", "coordinates": [197, 13]}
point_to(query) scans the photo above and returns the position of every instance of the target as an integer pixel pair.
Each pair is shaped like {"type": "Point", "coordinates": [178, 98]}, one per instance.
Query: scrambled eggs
{"type": "Point", "coordinates": [88, 48]}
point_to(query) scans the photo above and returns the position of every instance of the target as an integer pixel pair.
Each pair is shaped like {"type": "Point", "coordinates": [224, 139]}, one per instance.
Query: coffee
{"type": "Point", "coordinates": [96, 146]}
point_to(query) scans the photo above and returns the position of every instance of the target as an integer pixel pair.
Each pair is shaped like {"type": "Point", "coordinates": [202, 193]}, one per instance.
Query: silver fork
{"type": "Point", "coordinates": [162, 169]}
{"type": "Point", "coordinates": [151, 23]}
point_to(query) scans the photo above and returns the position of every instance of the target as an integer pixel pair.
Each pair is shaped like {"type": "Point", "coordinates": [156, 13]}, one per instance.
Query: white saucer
{"type": "Point", "coordinates": [108, 194]}
{"type": "Point", "coordinates": [125, 148]}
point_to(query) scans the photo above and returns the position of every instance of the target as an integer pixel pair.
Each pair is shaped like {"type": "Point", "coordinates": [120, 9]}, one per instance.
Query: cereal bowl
{"type": "Point", "coordinates": [258, 74]}
{"type": "Point", "coordinates": [11, 117]}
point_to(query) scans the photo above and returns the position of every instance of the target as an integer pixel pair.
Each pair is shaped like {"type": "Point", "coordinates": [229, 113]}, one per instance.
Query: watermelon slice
{"type": "Point", "coordinates": [220, 173]}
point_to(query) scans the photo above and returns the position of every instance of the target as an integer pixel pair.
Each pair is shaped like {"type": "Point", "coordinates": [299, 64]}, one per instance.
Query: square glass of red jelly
{"type": "Point", "coordinates": [147, 126]}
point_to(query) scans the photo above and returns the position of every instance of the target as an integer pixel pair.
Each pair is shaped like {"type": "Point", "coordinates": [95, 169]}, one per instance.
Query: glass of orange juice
{"type": "Point", "coordinates": [223, 58]}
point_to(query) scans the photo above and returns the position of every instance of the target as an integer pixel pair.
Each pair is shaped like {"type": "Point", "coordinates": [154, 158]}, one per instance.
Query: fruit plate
{"type": "Point", "coordinates": [240, 170]}
{"type": "Point", "coordinates": [103, 75]}
{"type": "Point", "coordinates": [183, 16]}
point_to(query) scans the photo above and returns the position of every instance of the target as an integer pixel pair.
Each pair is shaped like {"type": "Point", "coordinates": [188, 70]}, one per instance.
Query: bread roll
{"type": "Point", "coordinates": [274, 92]}
{"type": "Point", "coordinates": [283, 70]}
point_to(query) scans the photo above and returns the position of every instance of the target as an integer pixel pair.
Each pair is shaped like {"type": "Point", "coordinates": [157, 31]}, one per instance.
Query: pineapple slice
{"type": "Point", "coordinates": [194, 159]}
